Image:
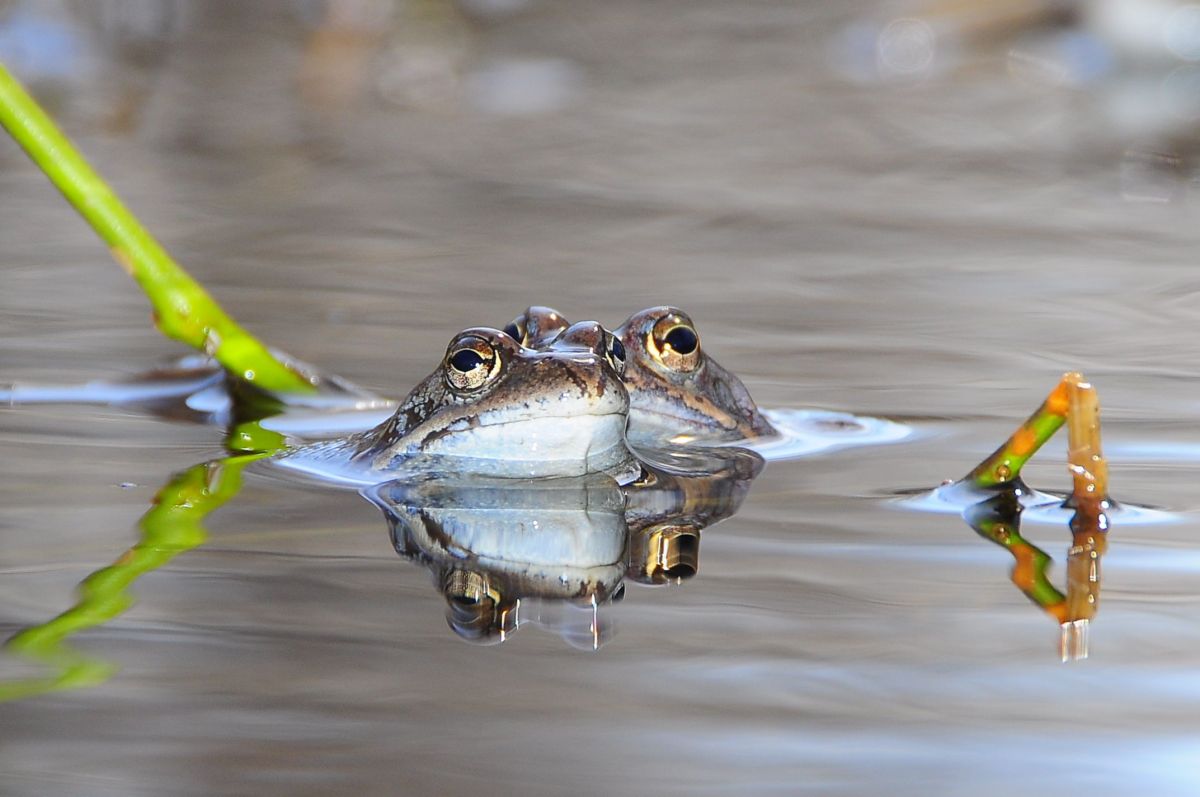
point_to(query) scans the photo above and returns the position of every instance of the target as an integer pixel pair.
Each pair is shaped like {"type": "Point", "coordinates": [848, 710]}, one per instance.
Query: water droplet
{"type": "Point", "coordinates": [906, 48]}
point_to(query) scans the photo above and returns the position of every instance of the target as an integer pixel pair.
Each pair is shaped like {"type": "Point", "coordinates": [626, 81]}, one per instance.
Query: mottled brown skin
{"type": "Point", "coordinates": [669, 395]}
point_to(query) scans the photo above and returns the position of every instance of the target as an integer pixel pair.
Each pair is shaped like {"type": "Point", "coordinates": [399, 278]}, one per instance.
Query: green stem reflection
{"type": "Point", "coordinates": [999, 520]}
{"type": "Point", "coordinates": [172, 526]}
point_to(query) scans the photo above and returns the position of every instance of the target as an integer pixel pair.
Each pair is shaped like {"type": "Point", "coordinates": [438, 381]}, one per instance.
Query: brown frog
{"type": "Point", "coordinates": [496, 408]}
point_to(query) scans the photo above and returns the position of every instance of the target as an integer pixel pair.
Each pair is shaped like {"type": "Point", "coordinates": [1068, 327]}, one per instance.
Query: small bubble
{"type": "Point", "coordinates": [1003, 472]}
{"type": "Point", "coordinates": [906, 48]}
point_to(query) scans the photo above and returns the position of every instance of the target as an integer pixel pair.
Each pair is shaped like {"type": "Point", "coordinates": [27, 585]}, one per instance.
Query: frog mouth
{"type": "Point", "coordinates": [566, 415]}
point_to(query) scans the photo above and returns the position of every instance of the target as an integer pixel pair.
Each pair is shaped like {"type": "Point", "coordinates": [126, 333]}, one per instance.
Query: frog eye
{"type": "Point", "coordinates": [614, 350]}
{"type": "Point", "coordinates": [517, 329]}
{"type": "Point", "coordinates": [674, 343]}
{"type": "Point", "coordinates": [471, 362]}
{"type": "Point", "coordinates": [682, 340]}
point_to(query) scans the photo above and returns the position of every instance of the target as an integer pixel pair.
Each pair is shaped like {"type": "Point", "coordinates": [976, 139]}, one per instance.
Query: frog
{"type": "Point", "coordinates": [677, 392]}
{"type": "Point", "coordinates": [496, 408]}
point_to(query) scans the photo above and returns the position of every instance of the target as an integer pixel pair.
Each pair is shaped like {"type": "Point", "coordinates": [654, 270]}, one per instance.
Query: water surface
{"type": "Point", "coordinates": [935, 252]}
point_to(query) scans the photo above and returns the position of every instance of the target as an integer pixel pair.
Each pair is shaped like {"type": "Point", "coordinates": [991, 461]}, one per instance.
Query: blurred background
{"type": "Point", "coordinates": [924, 211]}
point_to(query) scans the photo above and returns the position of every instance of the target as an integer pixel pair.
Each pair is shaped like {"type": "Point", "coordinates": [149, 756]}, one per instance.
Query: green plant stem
{"type": "Point", "coordinates": [1005, 463]}
{"type": "Point", "coordinates": [183, 310]}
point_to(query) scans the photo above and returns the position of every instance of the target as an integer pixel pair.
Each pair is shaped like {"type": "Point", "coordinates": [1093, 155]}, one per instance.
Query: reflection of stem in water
{"type": "Point", "coordinates": [173, 525]}
{"type": "Point", "coordinates": [999, 520]}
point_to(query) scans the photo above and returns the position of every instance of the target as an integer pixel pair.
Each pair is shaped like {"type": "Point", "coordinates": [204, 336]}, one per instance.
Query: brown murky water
{"type": "Point", "coordinates": [934, 252]}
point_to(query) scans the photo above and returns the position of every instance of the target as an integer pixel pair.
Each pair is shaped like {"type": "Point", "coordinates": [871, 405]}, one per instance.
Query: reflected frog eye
{"type": "Point", "coordinates": [674, 343]}
{"type": "Point", "coordinates": [615, 351]}
{"type": "Point", "coordinates": [471, 362]}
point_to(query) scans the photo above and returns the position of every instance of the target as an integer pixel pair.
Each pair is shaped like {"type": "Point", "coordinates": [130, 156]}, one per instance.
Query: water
{"type": "Point", "coordinates": [934, 252]}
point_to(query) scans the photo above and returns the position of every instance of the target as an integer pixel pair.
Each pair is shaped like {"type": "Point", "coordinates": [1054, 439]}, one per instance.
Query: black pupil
{"type": "Point", "coordinates": [618, 349]}
{"type": "Point", "coordinates": [466, 360]}
{"type": "Point", "coordinates": [682, 340]}
{"type": "Point", "coordinates": [512, 331]}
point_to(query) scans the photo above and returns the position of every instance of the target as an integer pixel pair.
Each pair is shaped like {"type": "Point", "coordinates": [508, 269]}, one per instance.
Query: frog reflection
{"type": "Point", "coordinates": [680, 493]}
{"type": "Point", "coordinates": [556, 553]}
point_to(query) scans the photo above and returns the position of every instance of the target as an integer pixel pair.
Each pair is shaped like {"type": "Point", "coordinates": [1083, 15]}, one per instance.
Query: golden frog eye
{"type": "Point", "coordinates": [674, 342]}
{"type": "Point", "coordinates": [471, 362]}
